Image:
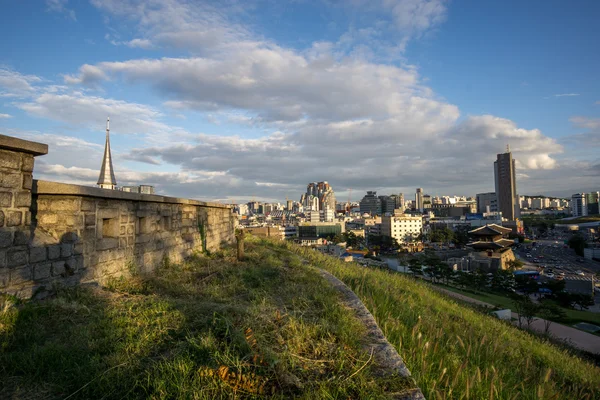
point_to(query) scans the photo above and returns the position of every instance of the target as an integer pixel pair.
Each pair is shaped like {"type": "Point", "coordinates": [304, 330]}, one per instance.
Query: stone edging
{"type": "Point", "coordinates": [384, 354]}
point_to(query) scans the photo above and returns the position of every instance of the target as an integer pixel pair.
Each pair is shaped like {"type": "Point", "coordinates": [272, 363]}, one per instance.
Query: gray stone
{"type": "Point", "coordinates": [37, 254]}
{"type": "Point", "coordinates": [1, 219]}
{"type": "Point", "coordinates": [42, 271]}
{"type": "Point", "coordinates": [12, 181]}
{"type": "Point", "coordinates": [5, 199]}
{"type": "Point", "coordinates": [4, 277]}
{"type": "Point", "coordinates": [10, 144]}
{"type": "Point", "coordinates": [20, 275]}
{"type": "Point", "coordinates": [23, 199]}
{"type": "Point", "coordinates": [88, 205]}
{"type": "Point", "coordinates": [21, 238]}
{"type": "Point", "coordinates": [13, 218]}
{"type": "Point", "coordinates": [90, 219]}
{"type": "Point", "coordinates": [54, 252]}
{"type": "Point", "coordinates": [27, 181]}
{"type": "Point", "coordinates": [27, 218]}
{"type": "Point", "coordinates": [16, 257]}
{"type": "Point", "coordinates": [58, 268]}
{"type": "Point", "coordinates": [71, 266]}
{"type": "Point", "coordinates": [66, 250]}
{"type": "Point", "coordinates": [27, 163]}
{"type": "Point", "coordinates": [78, 248]}
{"type": "Point", "coordinates": [65, 204]}
{"type": "Point", "coordinates": [10, 159]}
{"type": "Point", "coordinates": [6, 239]}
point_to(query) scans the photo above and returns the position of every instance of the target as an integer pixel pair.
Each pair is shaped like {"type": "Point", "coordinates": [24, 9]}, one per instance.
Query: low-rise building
{"type": "Point", "coordinates": [402, 227]}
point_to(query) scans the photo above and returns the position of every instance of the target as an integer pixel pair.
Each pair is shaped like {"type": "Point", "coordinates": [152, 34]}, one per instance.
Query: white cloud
{"type": "Point", "coordinates": [141, 43]}
{"type": "Point", "coordinates": [566, 95]}
{"type": "Point", "coordinates": [14, 84]}
{"type": "Point", "coordinates": [584, 122]}
{"type": "Point", "coordinates": [416, 16]}
{"type": "Point", "coordinates": [5, 116]}
{"type": "Point", "coordinates": [89, 111]}
{"type": "Point", "coordinates": [60, 7]}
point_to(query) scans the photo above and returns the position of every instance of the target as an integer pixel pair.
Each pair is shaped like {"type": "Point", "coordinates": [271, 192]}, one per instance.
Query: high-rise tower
{"type": "Point", "coordinates": [419, 205]}
{"type": "Point", "coordinates": [107, 180]}
{"type": "Point", "coordinates": [506, 185]}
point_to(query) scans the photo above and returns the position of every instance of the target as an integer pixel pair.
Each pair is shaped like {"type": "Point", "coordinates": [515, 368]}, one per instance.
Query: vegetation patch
{"type": "Point", "coordinates": [209, 328]}
{"type": "Point", "coordinates": [454, 351]}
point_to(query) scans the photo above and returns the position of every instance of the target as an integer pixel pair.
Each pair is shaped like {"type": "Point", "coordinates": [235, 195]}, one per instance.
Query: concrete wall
{"type": "Point", "coordinates": [59, 233]}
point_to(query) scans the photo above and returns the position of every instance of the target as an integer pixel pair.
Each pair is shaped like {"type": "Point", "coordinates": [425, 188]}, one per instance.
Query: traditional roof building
{"type": "Point", "coordinates": [490, 237]}
{"type": "Point", "coordinates": [107, 179]}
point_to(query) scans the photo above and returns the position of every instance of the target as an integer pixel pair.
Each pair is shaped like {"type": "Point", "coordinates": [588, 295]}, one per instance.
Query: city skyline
{"type": "Point", "coordinates": [250, 100]}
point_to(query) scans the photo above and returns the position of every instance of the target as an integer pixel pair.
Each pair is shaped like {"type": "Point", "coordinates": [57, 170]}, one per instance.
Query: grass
{"type": "Point", "coordinates": [498, 300]}
{"type": "Point", "coordinates": [211, 328]}
{"type": "Point", "coordinates": [456, 352]}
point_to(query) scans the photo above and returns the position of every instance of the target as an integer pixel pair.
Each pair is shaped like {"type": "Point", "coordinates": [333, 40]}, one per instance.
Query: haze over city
{"type": "Point", "coordinates": [237, 100]}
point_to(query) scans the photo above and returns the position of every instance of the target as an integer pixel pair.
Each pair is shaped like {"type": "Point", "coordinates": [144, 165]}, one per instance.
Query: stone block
{"type": "Point", "coordinates": [5, 199]}
{"type": "Point", "coordinates": [54, 252]}
{"type": "Point", "coordinates": [21, 238]}
{"type": "Point", "coordinates": [16, 257]}
{"type": "Point", "coordinates": [88, 205]}
{"type": "Point", "coordinates": [130, 240]}
{"type": "Point", "coordinates": [28, 161]}
{"type": "Point", "coordinates": [6, 239]}
{"type": "Point", "coordinates": [23, 199]}
{"type": "Point", "coordinates": [42, 271]}
{"type": "Point", "coordinates": [65, 205]}
{"type": "Point", "coordinates": [130, 229]}
{"type": "Point", "coordinates": [27, 218]}
{"type": "Point", "coordinates": [1, 219]}
{"type": "Point", "coordinates": [47, 218]}
{"type": "Point", "coordinates": [27, 181]}
{"type": "Point", "coordinates": [90, 219]}
{"type": "Point", "coordinates": [4, 277]}
{"type": "Point", "coordinates": [124, 218]}
{"type": "Point", "coordinates": [37, 254]}
{"type": "Point", "coordinates": [122, 230]}
{"type": "Point", "coordinates": [70, 266]}
{"type": "Point", "coordinates": [3, 258]}
{"type": "Point", "coordinates": [21, 275]}
{"type": "Point", "coordinates": [13, 218]}
{"type": "Point", "coordinates": [69, 237]}
{"type": "Point", "coordinates": [66, 250]}
{"type": "Point", "coordinates": [107, 243]}
{"type": "Point", "coordinates": [58, 268]}
{"type": "Point", "coordinates": [12, 181]}
{"type": "Point", "coordinates": [122, 242]}
{"type": "Point", "coordinates": [78, 248]}
{"type": "Point", "coordinates": [10, 160]}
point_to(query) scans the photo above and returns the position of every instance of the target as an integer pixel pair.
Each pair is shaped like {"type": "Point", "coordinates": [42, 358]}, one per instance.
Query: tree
{"type": "Point", "coordinates": [461, 235]}
{"type": "Point", "coordinates": [550, 311]}
{"type": "Point", "coordinates": [577, 242]}
{"type": "Point", "coordinates": [526, 309]}
{"type": "Point", "coordinates": [441, 235]}
{"type": "Point", "coordinates": [582, 300]}
{"type": "Point", "coordinates": [415, 266]}
{"type": "Point", "coordinates": [503, 281]}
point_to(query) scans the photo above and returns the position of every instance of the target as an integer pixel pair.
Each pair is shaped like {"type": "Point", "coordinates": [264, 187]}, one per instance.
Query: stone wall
{"type": "Point", "coordinates": [59, 233]}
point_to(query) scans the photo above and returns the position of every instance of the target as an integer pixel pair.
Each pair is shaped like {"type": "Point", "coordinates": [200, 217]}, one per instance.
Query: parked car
{"type": "Point", "coordinates": [579, 272]}
{"type": "Point", "coordinates": [549, 275]}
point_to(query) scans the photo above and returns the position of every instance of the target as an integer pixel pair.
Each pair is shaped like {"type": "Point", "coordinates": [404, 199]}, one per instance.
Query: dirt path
{"type": "Point", "coordinates": [579, 339]}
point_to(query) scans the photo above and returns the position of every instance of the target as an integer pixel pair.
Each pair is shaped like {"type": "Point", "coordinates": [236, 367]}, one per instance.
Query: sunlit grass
{"type": "Point", "coordinates": [207, 329]}
{"type": "Point", "coordinates": [454, 351]}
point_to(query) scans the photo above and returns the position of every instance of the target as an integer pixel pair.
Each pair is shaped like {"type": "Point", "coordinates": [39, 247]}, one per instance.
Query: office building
{"type": "Point", "coordinates": [487, 202]}
{"type": "Point", "coordinates": [318, 196]}
{"type": "Point", "coordinates": [506, 186]}
{"type": "Point", "coordinates": [592, 203]}
{"type": "Point", "coordinates": [419, 206]}
{"type": "Point", "coordinates": [388, 204]}
{"type": "Point", "coordinates": [579, 205]}
{"type": "Point", "coordinates": [370, 204]}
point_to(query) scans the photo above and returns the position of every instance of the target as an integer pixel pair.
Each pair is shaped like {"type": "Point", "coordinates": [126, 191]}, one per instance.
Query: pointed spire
{"type": "Point", "coordinates": [107, 180]}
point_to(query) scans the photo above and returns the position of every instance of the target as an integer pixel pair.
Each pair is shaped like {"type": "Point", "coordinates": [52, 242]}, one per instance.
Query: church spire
{"type": "Point", "coordinates": [107, 180]}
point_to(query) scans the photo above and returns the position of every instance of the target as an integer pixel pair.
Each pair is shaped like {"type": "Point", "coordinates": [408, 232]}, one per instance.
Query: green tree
{"type": "Point", "coordinates": [415, 266]}
{"type": "Point", "coordinates": [503, 281]}
{"type": "Point", "coordinates": [514, 264]}
{"type": "Point", "coordinates": [577, 242]}
{"type": "Point", "coordinates": [526, 309]}
{"type": "Point", "coordinates": [461, 235]}
{"type": "Point", "coordinates": [582, 300]}
{"type": "Point", "coordinates": [550, 311]}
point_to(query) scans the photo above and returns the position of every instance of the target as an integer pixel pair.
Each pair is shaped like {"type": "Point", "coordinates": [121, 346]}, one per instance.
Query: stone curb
{"type": "Point", "coordinates": [384, 354]}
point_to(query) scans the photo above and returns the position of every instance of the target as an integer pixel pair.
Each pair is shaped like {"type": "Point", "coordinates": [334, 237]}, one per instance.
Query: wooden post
{"type": "Point", "coordinates": [239, 236]}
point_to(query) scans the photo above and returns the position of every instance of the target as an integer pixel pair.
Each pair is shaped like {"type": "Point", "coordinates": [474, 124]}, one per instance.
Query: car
{"type": "Point", "coordinates": [550, 275]}
{"type": "Point", "coordinates": [528, 255]}
{"type": "Point", "coordinates": [561, 274]}
{"type": "Point", "coordinates": [579, 272]}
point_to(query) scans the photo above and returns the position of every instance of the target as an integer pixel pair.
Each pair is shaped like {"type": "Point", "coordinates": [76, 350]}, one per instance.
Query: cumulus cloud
{"type": "Point", "coordinates": [585, 122]}
{"type": "Point", "coordinates": [90, 111]}
{"type": "Point", "coordinates": [14, 84]}
{"type": "Point", "coordinates": [5, 116]}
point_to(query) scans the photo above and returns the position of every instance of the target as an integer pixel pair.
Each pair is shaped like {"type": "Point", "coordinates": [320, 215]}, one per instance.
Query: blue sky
{"type": "Point", "coordinates": [233, 100]}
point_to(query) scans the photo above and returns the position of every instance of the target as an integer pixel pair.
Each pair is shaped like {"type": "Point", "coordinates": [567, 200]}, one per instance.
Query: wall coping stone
{"type": "Point", "coordinates": [56, 188]}
{"type": "Point", "coordinates": [23, 146]}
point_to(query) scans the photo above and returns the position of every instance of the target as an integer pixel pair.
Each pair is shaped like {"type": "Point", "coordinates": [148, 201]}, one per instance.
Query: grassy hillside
{"type": "Point", "coordinates": [456, 352]}
{"type": "Point", "coordinates": [211, 328]}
